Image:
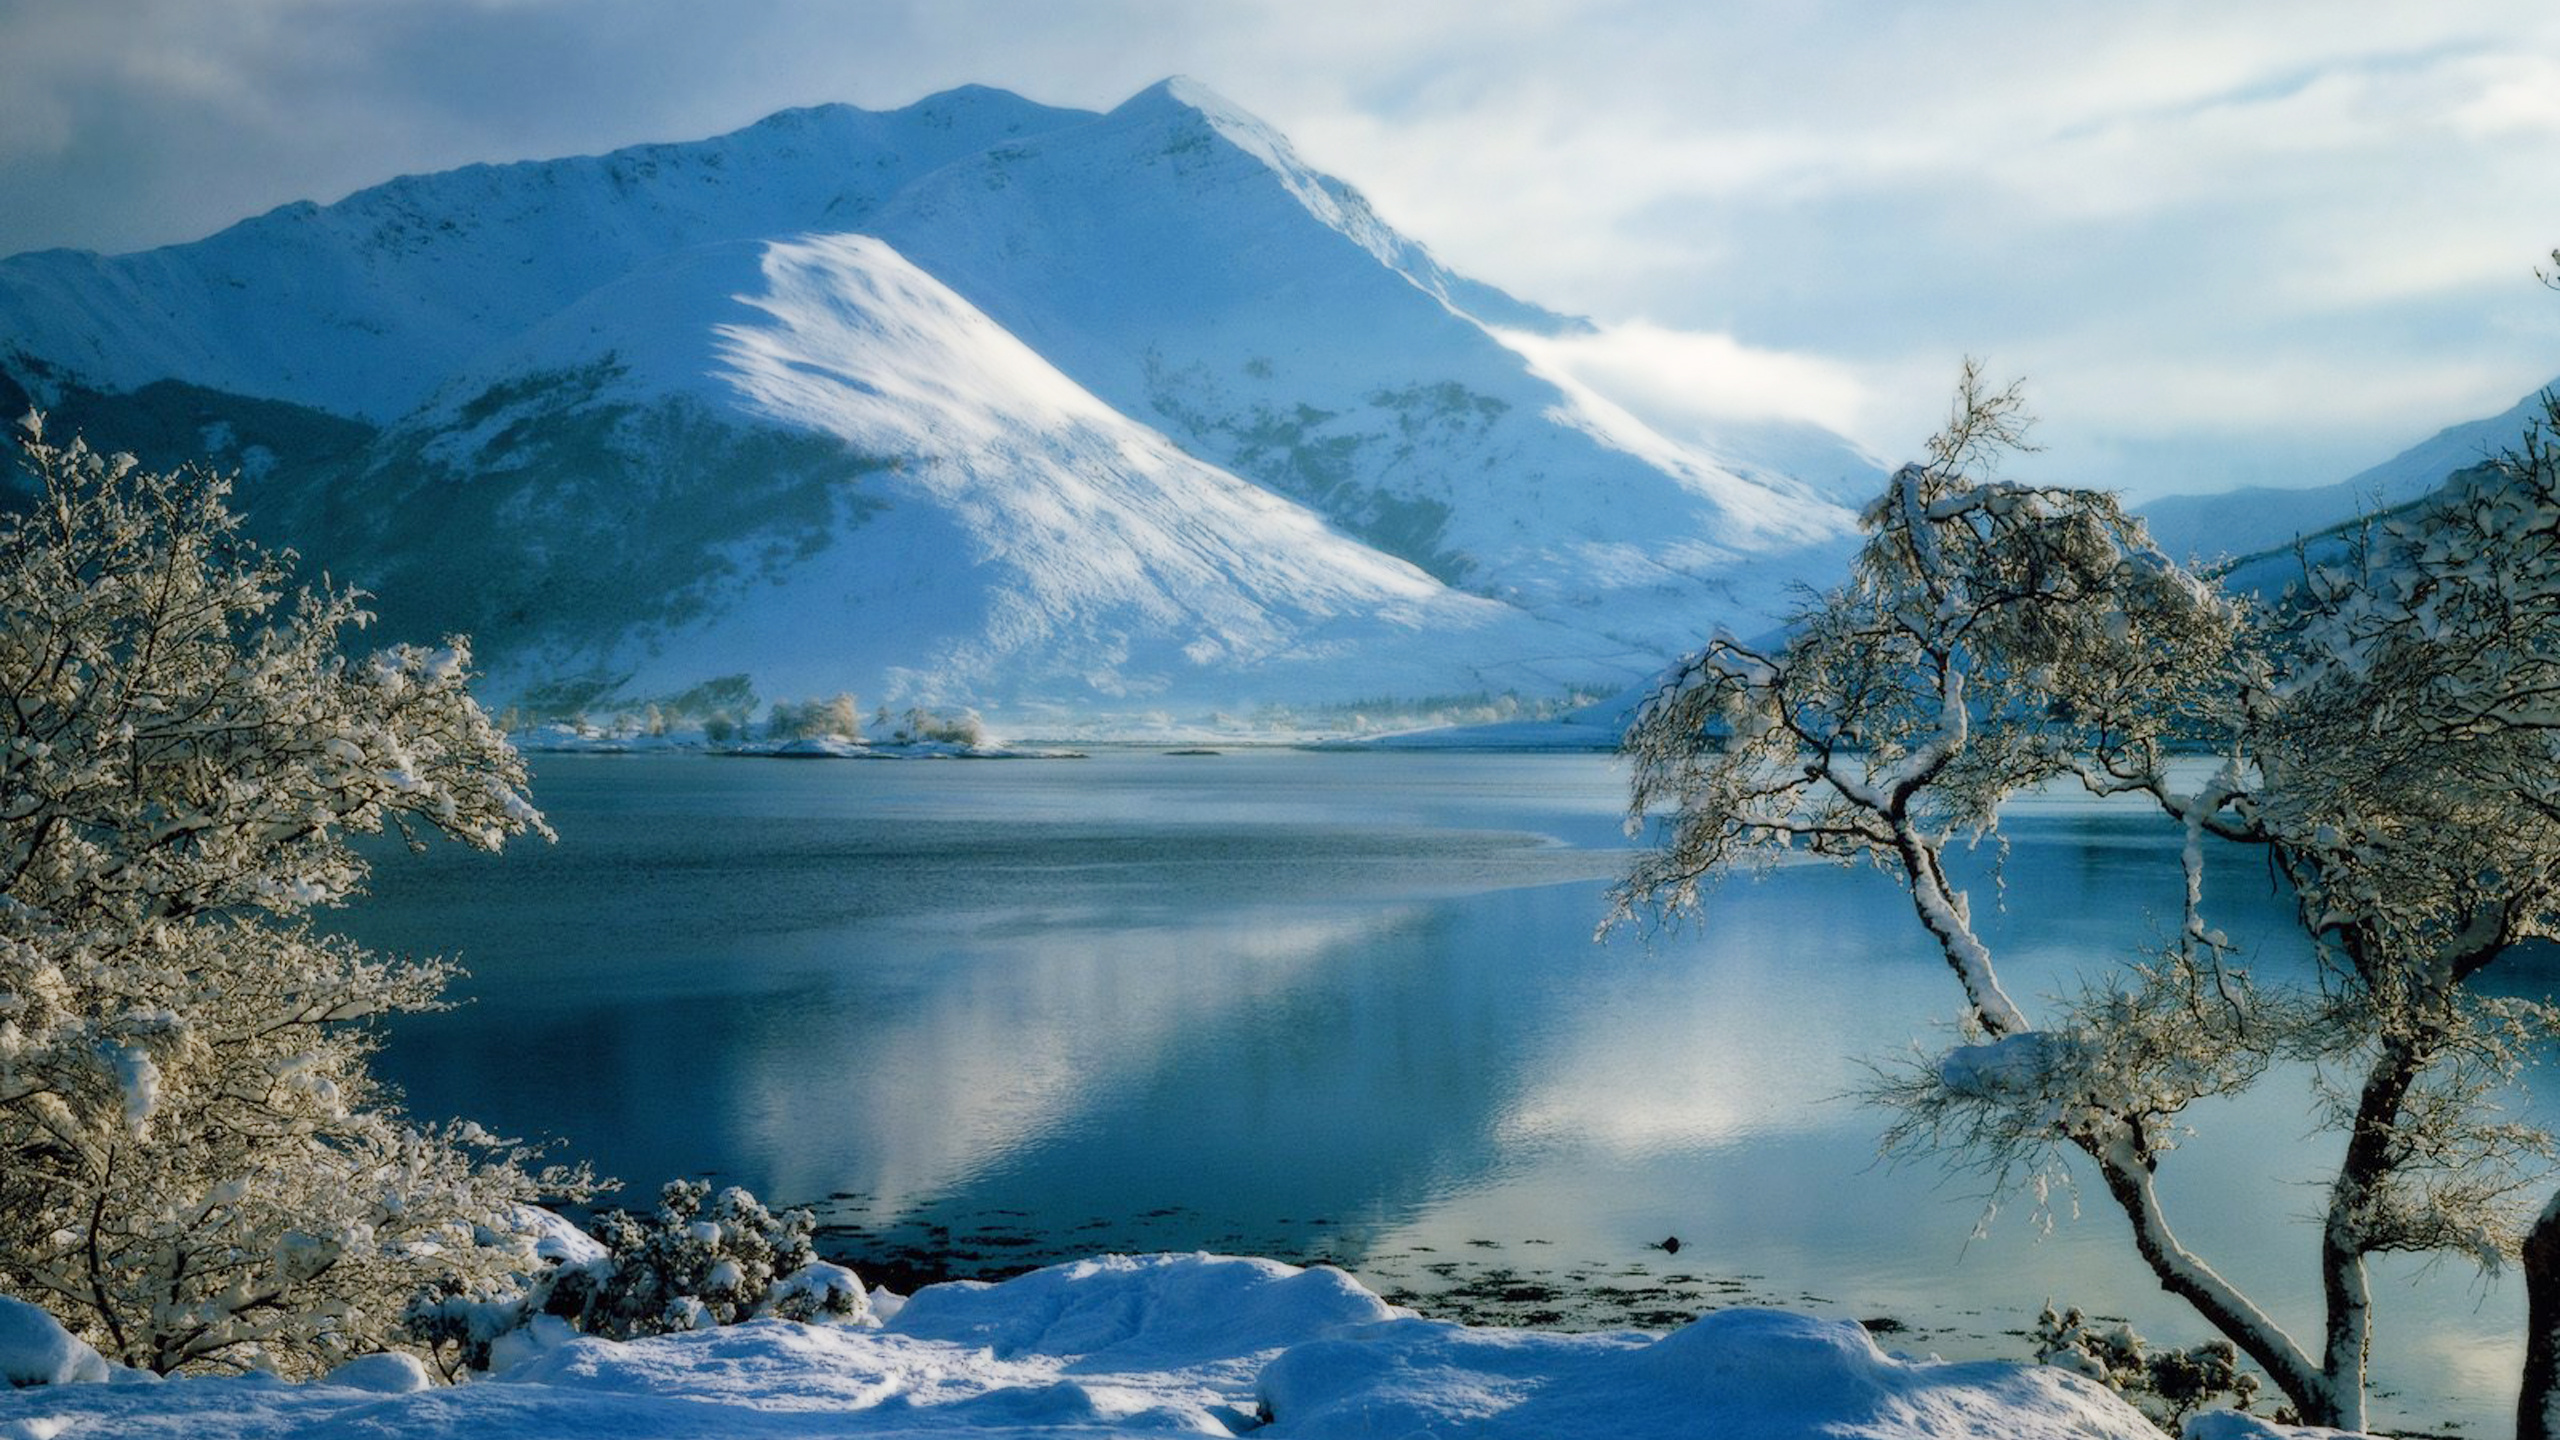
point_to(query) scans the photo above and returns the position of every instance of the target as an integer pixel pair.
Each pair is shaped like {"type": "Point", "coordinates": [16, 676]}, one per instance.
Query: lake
{"type": "Point", "coordinates": [1337, 1006]}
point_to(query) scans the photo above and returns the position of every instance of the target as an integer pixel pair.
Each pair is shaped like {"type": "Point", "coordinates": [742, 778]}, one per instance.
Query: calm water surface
{"type": "Point", "coordinates": [1337, 1006]}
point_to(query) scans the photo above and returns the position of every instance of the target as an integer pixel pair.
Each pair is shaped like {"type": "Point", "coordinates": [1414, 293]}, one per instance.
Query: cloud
{"type": "Point", "coordinates": [2516, 94]}
{"type": "Point", "coordinates": [33, 122]}
{"type": "Point", "coordinates": [1684, 382]}
{"type": "Point", "coordinates": [1771, 207]}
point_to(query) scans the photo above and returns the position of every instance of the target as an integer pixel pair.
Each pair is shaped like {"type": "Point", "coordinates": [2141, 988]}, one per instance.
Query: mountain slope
{"type": "Point", "coordinates": [895, 438]}
{"type": "Point", "coordinates": [363, 307]}
{"type": "Point", "coordinates": [2240, 522]}
{"type": "Point", "coordinates": [1144, 253]}
{"type": "Point", "coordinates": [1070, 416]}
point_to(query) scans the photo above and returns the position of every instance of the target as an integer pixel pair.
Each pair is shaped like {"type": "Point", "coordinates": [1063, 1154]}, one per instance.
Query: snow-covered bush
{"type": "Point", "coordinates": [917, 725]}
{"type": "Point", "coordinates": [817, 1293]}
{"type": "Point", "coordinates": [699, 1260]}
{"type": "Point", "coordinates": [839, 718]}
{"type": "Point", "coordinates": [2167, 1384]}
{"type": "Point", "coordinates": [197, 1168]}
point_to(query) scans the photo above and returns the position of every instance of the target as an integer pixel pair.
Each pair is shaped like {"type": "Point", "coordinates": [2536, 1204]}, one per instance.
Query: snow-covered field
{"type": "Point", "coordinates": [1190, 1344]}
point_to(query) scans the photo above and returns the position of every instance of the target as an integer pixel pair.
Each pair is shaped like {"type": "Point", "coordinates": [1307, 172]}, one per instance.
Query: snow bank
{"type": "Point", "coordinates": [1734, 1374]}
{"type": "Point", "coordinates": [36, 1350]}
{"type": "Point", "coordinates": [383, 1374]}
{"type": "Point", "coordinates": [1191, 1344]}
{"type": "Point", "coordinates": [1159, 1312]}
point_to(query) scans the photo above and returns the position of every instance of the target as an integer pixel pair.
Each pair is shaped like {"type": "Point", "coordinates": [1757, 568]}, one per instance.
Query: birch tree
{"type": "Point", "coordinates": [197, 1170]}
{"type": "Point", "coordinates": [2383, 733]}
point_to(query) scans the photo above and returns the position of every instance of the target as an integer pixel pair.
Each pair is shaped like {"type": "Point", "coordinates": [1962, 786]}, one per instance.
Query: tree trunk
{"type": "Point", "coordinates": [2538, 1408]}
{"type": "Point", "coordinates": [2182, 1274]}
{"type": "Point", "coordinates": [2343, 1242]}
{"type": "Point", "coordinates": [1941, 909]}
{"type": "Point", "coordinates": [2343, 1286]}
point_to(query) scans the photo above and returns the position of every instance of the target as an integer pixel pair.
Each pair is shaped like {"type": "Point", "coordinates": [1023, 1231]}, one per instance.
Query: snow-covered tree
{"type": "Point", "coordinates": [839, 718]}
{"type": "Point", "coordinates": [197, 1169]}
{"type": "Point", "coordinates": [2385, 733]}
{"type": "Point", "coordinates": [920, 726]}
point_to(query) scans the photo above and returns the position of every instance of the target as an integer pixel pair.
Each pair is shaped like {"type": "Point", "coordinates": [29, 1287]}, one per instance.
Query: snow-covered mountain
{"type": "Point", "coordinates": [1371, 393]}
{"type": "Point", "coordinates": [1088, 421]}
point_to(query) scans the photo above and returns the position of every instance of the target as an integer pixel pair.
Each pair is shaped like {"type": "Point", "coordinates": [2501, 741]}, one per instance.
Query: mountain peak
{"type": "Point", "coordinates": [959, 100]}
{"type": "Point", "coordinates": [1181, 99]}
{"type": "Point", "coordinates": [1183, 92]}
{"type": "Point", "coordinates": [989, 102]}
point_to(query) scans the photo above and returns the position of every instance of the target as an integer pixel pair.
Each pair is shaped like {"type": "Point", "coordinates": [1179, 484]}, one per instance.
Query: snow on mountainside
{"type": "Point", "coordinates": [1142, 254]}
{"type": "Point", "coordinates": [1114, 418]}
{"type": "Point", "coordinates": [363, 307]}
{"type": "Point", "coordinates": [1104, 565]}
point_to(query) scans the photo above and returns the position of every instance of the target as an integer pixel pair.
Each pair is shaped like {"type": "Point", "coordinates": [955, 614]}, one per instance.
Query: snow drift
{"type": "Point", "coordinates": [1193, 1344]}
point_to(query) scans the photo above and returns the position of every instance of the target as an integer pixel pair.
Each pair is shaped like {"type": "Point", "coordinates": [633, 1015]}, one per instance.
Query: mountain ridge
{"type": "Point", "coordinates": [587, 237]}
{"type": "Point", "coordinates": [1252, 449]}
{"type": "Point", "coordinates": [2258, 518]}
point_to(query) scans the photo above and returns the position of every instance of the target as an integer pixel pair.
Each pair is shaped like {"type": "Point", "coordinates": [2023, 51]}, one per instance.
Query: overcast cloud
{"type": "Point", "coordinates": [2225, 244]}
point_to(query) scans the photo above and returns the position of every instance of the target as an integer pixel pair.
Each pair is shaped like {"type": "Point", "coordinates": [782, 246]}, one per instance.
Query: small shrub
{"type": "Point", "coordinates": [697, 1261]}
{"type": "Point", "coordinates": [690, 1265]}
{"type": "Point", "coordinates": [2165, 1384]}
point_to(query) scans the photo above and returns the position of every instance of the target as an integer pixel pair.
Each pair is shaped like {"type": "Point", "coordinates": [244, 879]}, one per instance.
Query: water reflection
{"type": "Point", "coordinates": [1652, 1055]}
{"type": "Point", "coordinates": [1318, 1005]}
{"type": "Point", "coordinates": [1014, 1045]}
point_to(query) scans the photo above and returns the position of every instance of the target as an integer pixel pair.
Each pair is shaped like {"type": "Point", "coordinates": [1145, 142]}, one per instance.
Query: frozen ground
{"type": "Point", "coordinates": [1191, 1344]}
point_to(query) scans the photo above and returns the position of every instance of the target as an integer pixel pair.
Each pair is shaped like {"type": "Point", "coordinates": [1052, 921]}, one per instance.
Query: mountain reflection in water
{"type": "Point", "coordinates": [1329, 1006]}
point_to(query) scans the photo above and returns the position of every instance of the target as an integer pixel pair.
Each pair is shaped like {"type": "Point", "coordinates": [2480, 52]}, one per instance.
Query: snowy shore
{"type": "Point", "coordinates": [1189, 1344]}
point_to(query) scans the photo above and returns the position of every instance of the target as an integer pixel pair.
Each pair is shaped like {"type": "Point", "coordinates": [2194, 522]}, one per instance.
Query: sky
{"type": "Point", "coordinates": [2267, 243]}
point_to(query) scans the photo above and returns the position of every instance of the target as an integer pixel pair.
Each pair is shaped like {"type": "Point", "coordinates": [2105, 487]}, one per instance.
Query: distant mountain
{"type": "Point", "coordinates": [2243, 522]}
{"type": "Point", "coordinates": [1092, 422]}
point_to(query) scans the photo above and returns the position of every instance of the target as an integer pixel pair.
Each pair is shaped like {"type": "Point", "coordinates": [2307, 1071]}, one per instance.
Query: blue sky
{"type": "Point", "coordinates": [2225, 244]}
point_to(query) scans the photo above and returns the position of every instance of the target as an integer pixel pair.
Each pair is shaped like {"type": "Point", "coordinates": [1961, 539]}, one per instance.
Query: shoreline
{"type": "Point", "coordinates": [1651, 1291]}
